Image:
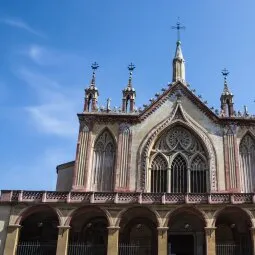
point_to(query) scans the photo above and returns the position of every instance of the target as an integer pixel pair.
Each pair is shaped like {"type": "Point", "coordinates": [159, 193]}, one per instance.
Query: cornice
{"type": "Point", "coordinates": [106, 117]}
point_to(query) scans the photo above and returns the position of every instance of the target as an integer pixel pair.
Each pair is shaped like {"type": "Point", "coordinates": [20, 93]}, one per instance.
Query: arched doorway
{"type": "Point", "coordinates": [186, 233]}
{"type": "Point", "coordinates": [138, 232]}
{"type": "Point", "coordinates": [39, 232]}
{"type": "Point", "coordinates": [88, 233]}
{"type": "Point", "coordinates": [233, 232]}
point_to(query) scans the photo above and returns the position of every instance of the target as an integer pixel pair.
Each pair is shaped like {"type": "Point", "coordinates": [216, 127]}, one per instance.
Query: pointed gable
{"type": "Point", "coordinates": [173, 90]}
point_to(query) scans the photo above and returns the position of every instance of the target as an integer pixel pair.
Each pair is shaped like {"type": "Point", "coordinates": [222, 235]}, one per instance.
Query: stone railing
{"type": "Point", "coordinates": [123, 198]}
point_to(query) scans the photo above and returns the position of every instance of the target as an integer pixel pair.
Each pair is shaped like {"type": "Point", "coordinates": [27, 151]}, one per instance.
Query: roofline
{"type": "Point", "coordinates": [65, 165]}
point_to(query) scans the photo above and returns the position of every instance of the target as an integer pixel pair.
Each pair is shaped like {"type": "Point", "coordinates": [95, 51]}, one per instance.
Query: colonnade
{"type": "Point", "coordinates": [207, 232]}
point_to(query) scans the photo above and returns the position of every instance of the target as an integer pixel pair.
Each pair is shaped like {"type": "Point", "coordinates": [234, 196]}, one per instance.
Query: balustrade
{"type": "Point", "coordinates": [125, 198]}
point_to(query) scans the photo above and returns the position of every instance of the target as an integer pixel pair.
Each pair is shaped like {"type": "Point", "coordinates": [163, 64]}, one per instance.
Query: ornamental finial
{"type": "Point", "coordinates": [94, 67]}
{"type": "Point", "coordinates": [225, 74]}
{"type": "Point", "coordinates": [131, 68]}
{"type": "Point", "coordinates": [178, 27]}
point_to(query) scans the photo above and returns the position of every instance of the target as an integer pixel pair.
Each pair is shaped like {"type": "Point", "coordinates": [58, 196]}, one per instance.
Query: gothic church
{"type": "Point", "coordinates": [175, 177]}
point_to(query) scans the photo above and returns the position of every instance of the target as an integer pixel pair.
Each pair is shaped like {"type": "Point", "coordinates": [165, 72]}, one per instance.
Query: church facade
{"type": "Point", "coordinates": [175, 177]}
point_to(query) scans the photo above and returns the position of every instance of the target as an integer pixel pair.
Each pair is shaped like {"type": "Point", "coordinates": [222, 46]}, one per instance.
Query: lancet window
{"type": "Point", "coordinates": [103, 162]}
{"type": "Point", "coordinates": [180, 164]}
{"type": "Point", "coordinates": [247, 163]}
{"type": "Point", "coordinates": [159, 174]}
{"type": "Point", "coordinates": [179, 175]}
{"type": "Point", "coordinates": [198, 175]}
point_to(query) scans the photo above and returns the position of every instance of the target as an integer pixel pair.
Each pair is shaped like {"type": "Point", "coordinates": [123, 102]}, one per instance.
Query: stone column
{"type": "Point", "coordinates": [210, 240]}
{"type": "Point", "coordinates": [12, 239]}
{"type": "Point", "coordinates": [113, 240]}
{"type": "Point", "coordinates": [169, 180]}
{"type": "Point", "coordinates": [162, 240]}
{"type": "Point", "coordinates": [63, 236]}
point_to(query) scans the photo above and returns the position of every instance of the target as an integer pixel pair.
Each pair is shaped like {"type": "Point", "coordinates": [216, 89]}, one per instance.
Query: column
{"type": "Point", "coordinates": [162, 240]}
{"type": "Point", "coordinates": [113, 240]}
{"type": "Point", "coordinates": [253, 239]}
{"type": "Point", "coordinates": [12, 239]}
{"type": "Point", "coordinates": [169, 180]}
{"type": "Point", "coordinates": [210, 240]}
{"type": "Point", "coordinates": [63, 236]}
{"type": "Point", "coordinates": [189, 181]}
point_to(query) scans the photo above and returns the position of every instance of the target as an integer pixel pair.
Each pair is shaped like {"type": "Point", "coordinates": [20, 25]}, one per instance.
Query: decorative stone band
{"type": "Point", "coordinates": [209, 230]}
{"type": "Point", "coordinates": [14, 226]}
{"type": "Point", "coordinates": [63, 227]}
{"type": "Point", "coordinates": [162, 230]}
{"type": "Point", "coordinates": [17, 196]}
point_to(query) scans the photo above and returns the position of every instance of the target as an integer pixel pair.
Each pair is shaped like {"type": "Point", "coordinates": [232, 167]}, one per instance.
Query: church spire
{"type": "Point", "coordinates": [91, 93]}
{"type": "Point", "coordinates": [227, 105]}
{"type": "Point", "coordinates": [128, 100]}
{"type": "Point", "coordinates": [178, 61]}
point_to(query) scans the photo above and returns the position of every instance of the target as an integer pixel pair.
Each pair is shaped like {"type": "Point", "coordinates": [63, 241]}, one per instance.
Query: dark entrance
{"type": "Point", "coordinates": [181, 245]}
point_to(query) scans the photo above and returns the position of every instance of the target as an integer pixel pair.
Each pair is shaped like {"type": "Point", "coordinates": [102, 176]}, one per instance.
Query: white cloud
{"type": "Point", "coordinates": [13, 22]}
{"type": "Point", "coordinates": [47, 56]}
{"type": "Point", "coordinates": [54, 119]}
{"type": "Point", "coordinates": [56, 110]}
{"type": "Point", "coordinates": [43, 56]}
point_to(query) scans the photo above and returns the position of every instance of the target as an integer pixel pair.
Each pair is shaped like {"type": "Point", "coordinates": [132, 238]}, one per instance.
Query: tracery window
{"type": "Point", "coordinates": [184, 166]}
{"type": "Point", "coordinates": [179, 175]}
{"type": "Point", "coordinates": [247, 163]}
{"type": "Point", "coordinates": [103, 162]}
{"type": "Point", "coordinates": [159, 174]}
{"type": "Point", "coordinates": [198, 175]}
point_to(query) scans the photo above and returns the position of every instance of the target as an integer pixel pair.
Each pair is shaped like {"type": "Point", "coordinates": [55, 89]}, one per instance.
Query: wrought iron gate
{"type": "Point", "coordinates": [36, 248]}
{"type": "Point", "coordinates": [134, 249]}
{"type": "Point", "coordinates": [232, 249]}
{"type": "Point", "coordinates": [79, 248]}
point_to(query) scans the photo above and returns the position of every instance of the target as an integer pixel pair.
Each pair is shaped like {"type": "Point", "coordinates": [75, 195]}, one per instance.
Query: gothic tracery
{"type": "Point", "coordinates": [103, 162]}
{"type": "Point", "coordinates": [187, 167]}
{"type": "Point", "coordinates": [247, 163]}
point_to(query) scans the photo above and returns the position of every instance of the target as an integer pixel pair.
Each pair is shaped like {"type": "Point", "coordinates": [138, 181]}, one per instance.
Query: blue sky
{"type": "Point", "coordinates": [47, 47]}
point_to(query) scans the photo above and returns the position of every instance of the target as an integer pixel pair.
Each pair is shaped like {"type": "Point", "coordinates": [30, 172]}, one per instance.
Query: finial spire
{"type": "Point", "coordinates": [178, 27]}
{"type": "Point", "coordinates": [94, 67]}
{"type": "Point", "coordinates": [225, 74]}
{"type": "Point", "coordinates": [129, 94]}
{"type": "Point", "coordinates": [227, 104]}
{"type": "Point", "coordinates": [91, 93]}
{"type": "Point", "coordinates": [178, 61]}
{"type": "Point", "coordinates": [131, 68]}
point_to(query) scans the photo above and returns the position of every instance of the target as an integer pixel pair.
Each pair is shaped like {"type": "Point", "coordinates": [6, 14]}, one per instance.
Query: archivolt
{"type": "Point", "coordinates": [155, 133]}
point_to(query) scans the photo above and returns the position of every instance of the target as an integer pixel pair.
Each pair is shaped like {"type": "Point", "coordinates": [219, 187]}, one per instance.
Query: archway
{"type": "Point", "coordinates": [138, 232]}
{"type": "Point", "coordinates": [88, 233]}
{"type": "Point", "coordinates": [186, 226]}
{"type": "Point", "coordinates": [39, 232]}
{"type": "Point", "coordinates": [178, 162]}
{"type": "Point", "coordinates": [233, 232]}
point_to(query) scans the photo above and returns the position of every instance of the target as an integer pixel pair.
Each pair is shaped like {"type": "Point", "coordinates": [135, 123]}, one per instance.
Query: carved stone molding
{"type": "Point", "coordinates": [156, 132]}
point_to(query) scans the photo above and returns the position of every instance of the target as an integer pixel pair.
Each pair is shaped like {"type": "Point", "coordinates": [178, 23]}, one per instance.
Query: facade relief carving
{"type": "Point", "coordinates": [154, 135]}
